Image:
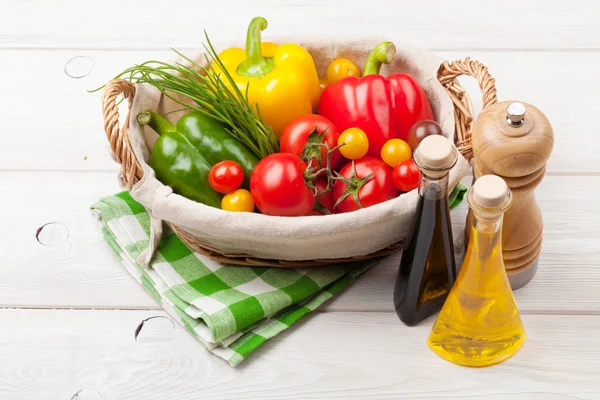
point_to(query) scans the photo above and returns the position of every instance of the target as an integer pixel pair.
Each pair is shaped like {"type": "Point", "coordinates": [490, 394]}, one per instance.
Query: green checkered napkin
{"type": "Point", "coordinates": [231, 310]}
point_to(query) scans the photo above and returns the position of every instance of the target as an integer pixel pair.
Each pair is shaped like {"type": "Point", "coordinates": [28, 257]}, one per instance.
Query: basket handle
{"type": "Point", "coordinates": [117, 136]}
{"type": "Point", "coordinates": [463, 109]}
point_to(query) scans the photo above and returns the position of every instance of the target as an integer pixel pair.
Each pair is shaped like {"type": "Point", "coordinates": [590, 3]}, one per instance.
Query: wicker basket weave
{"type": "Point", "coordinates": [132, 171]}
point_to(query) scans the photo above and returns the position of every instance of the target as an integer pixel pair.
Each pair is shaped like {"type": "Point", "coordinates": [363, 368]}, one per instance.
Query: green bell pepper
{"type": "Point", "coordinates": [184, 154]}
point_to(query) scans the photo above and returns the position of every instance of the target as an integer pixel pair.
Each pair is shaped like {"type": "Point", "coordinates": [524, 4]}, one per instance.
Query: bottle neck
{"type": "Point", "coordinates": [487, 222]}
{"type": "Point", "coordinates": [433, 187]}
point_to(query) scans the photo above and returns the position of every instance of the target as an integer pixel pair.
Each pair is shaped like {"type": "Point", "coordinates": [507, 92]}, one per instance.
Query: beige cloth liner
{"type": "Point", "coordinates": [291, 238]}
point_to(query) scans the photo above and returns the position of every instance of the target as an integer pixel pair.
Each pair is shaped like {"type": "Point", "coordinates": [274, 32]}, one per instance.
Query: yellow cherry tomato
{"type": "Point", "coordinates": [341, 68]}
{"type": "Point", "coordinates": [394, 151]}
{"type": "Point", "coordinates": [238, 201]}
{"type": "Point", "coordinates": [356, 143]}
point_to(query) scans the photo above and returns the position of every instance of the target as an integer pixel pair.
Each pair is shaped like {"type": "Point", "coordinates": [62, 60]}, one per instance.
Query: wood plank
{"type": "Point", "coordinates": [538, 24]}
{"type": "Point", "coordinates": [60, 127]}
{"type": "Point", "coordinates": [49, 273]}
{"type": "Point", "coordinates": [82, 273]}
{"type": "Point", "coordinates": [55, 353]}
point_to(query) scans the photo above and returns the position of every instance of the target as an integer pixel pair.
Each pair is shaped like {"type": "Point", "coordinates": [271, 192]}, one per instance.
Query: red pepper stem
{"type": "Point", "coordinates": [255, 66]}
{"type": "Point", "coordinates": [156, 121]}
{"type": "Point", "coordinates": [383, 53]}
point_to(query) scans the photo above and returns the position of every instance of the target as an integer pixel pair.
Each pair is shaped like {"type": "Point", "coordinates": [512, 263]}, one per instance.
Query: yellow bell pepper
{"type": "Point", "coordinates": [281, 80]}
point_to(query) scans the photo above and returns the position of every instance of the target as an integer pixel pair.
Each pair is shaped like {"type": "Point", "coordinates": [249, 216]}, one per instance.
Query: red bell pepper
{"type": "Point", "coordinates": [384, 108]}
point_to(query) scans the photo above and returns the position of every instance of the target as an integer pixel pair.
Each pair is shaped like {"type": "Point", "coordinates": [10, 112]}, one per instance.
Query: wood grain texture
{"type": "Point", "coordinates": [539, 24]}
{"type": "Point", "coordinates": [82, 272]}
{"type": "Point", "coordinates": [50, 354]}
{"type": "Point", "coordinates": [52, 127]}
{"type": "Point", "coordinates": [512, 152]}
{"type": "Point", "coordinates": [519, 156]}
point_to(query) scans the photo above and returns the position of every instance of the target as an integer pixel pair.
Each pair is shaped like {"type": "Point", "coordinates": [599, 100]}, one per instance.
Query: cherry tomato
{"type": "Point", "coordinates": [295, 136]}
{"type": "Point", "coordinates": [238, 201]}
{"type": "Point", "coordinates": [226, 176]}
{"type": "Point", "coordinates": [324, 199]}
{"type": "Point", "coordinates": [375, 190]}
{"type": "Point", "coordinates": [356, 143]}
{"type": "Point", "coordinates": [278, 188]}
{"type": "Point", "coordinates": [421, 130]}
{"type": "Point", "coordinates": [394, 151]}
{"type": "Point", "coordinates": [406, 176]}
{"type": "Point", "coordinates": [341, 68]}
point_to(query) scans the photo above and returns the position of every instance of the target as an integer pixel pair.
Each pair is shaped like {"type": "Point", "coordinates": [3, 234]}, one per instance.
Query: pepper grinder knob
{"type": "Point", "coordinates": [515, 114]}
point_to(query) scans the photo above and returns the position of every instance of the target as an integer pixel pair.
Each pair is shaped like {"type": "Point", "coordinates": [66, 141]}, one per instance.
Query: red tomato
{"type": "Point", "coordinates": [375, 190]}
{"type": "Point", "coordinates": [226, 176]}
{"type": "Point", "coordinates": [295, 135]}
{"type": "Point", "coordinates": [406, 176]}
{"type": "Point", "coordinates": [278, 188]}
{"type": "Point", "coordinates": [324, 199]}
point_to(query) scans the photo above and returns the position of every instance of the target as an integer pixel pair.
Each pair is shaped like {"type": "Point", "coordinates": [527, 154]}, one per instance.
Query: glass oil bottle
{"type": "Point", "coordinates": [480, 324]}
{"type": "Point", "coordinates": [427, 269]}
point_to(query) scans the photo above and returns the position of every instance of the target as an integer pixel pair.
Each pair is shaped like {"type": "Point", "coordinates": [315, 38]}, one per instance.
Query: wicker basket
{"type": "Point", "coordinates": [132, 172]}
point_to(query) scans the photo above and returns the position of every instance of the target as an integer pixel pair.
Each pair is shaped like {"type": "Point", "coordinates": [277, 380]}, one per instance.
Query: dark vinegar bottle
{"type": "Point", "coordinates": [427, 269]}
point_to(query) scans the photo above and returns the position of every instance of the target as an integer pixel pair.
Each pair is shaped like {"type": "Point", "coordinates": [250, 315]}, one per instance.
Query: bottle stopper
{"type": "Point", "coordinates": [436, 155]}
{"type": "Point", "coordinates": [491, 191]}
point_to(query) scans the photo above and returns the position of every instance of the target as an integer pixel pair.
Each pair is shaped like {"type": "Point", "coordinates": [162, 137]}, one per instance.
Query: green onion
{"type": "Point", "coordinates": [211, 95]}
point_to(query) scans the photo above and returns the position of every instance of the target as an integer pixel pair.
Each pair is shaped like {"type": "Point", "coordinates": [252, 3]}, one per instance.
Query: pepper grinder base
{"type": "Point", "coordinates": [520, 278]}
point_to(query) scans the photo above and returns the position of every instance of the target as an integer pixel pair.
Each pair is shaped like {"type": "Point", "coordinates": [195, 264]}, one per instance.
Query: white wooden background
{"type": "Point", "coordinates": [69, 310]}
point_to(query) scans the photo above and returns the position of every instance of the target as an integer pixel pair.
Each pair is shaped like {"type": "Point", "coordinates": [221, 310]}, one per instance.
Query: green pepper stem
{"type": "Point", "coordinates": [255, 66]}
{"type": "Point", "coordinates": [383, 53]}
{"type": "Point", "coordinates": [156, 121]}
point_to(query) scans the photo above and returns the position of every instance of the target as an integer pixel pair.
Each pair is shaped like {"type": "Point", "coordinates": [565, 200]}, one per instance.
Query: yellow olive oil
{"type": "Point", "coordinates": [480, 324]}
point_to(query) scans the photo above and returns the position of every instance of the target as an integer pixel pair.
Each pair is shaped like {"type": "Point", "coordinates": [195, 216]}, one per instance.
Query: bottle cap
{"type": "Point", "coordinates": [491, 191]}
{"type": "Point", "coordinates": [435, 153]}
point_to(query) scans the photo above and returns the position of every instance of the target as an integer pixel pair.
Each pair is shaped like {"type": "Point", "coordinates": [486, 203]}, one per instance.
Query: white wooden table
{"type": "Point", "coordinates": [70, 310]}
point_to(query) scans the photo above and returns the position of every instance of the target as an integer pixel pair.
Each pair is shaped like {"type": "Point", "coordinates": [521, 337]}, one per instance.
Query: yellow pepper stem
{"type": "Point", "coordinates": [383, 53]}
{"type": "Point", "coordinates": [255, 66]}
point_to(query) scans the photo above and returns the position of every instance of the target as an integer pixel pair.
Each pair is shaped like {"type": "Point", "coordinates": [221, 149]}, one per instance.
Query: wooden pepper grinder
{"type": "Point", "coordinates": [514, 140]}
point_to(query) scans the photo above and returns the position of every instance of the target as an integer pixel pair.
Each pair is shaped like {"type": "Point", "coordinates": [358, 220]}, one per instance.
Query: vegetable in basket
{"type": "Point", "coordinates": [394, 151]}
{"type": "Point", "coordinates": [421, 130]}
{"type": "Point", "coordinates": [195, 87]}
{"type": "Point", "coordinates": [406, 176]}
{"type": "Point", "coordinates": [354, 142]}
{"type": "Point", "coordinates": [323, 199]}
{"type": "Point", "coordinates": [384, 108]}
{"type": "Point", "coordinates": [278, 186]}
{"type": "Point", "coordinates": [282, 81]}
{"type": "Point", "coordinates": [297, 134]}
{"type": "Point", "coordinates": [238, 201]}
{"type": "Point", "coordinates": [226, 176]}
{"type": "Point", "coordinates": [184, 154]}
{"type": "Point", "coordinates": [363, 183]}
{"type": "Point", "coordinates": [341, 68]}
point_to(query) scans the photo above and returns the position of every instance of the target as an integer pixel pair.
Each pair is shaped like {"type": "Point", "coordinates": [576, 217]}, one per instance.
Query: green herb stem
{"type": "Point", "coordinates": [216, 95]}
